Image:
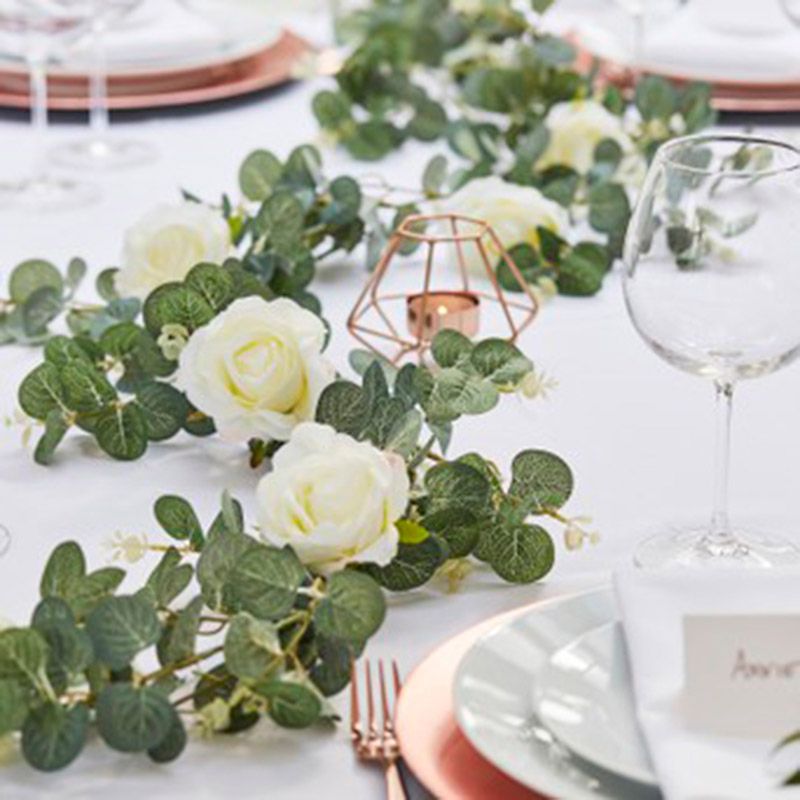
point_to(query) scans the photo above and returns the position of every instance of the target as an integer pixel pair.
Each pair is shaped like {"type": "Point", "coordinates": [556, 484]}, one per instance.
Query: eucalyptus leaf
{"type": "Point", "coordinates": [352, 609]}
{"type": "Point", "coordinates": [132, 720]}
{"type": "Point", "coordinates": [121, 627]}
{"type": "Point", "coordinates": [53, 736]}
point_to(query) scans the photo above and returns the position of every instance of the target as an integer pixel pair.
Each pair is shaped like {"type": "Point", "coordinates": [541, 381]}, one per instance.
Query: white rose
{"type": "Point", "coordinates": [166, 243]}
{"type": "Point", "coordinates": [333, 499]}
{"type": "Point", "coordinates": [513, 211]}
{"type": "Point", "coordinates": [576, 128]}
{"type": "Point", "coordinates": [257, 368]}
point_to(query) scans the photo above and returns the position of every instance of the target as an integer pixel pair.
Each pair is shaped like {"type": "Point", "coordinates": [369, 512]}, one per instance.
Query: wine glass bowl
{"type": "Point", "coordinates": [712, 284]}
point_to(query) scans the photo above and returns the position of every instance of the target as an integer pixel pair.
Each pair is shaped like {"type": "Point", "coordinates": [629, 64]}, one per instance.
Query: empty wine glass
{"type": "Point", "coordinates": [712, 284]}
{"type": "Point", "coordinates": [101, 150]}
{"type": "Point", "coordinates": [36, 25]}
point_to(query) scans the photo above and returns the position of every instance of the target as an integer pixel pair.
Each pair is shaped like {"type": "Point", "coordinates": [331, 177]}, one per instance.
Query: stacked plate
{"type": "Point", "coordinates": [545, 699]}
{"type": "Point", "coordinates": [749, 54]}
{"type": "Point", "coordinates": [166, 54]}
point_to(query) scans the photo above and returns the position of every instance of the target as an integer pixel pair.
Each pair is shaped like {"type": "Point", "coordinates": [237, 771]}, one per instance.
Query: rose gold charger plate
{"type": "Point", "coordinates": [726, 95]}
{"type": "Point", "coordinates": [431, 742]}
{"type": "Point", "coordinates": [269, 67]}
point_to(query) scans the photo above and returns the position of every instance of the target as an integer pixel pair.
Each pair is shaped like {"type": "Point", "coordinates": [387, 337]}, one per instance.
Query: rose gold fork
{"type": "Point", "coordinates": [377, 744]}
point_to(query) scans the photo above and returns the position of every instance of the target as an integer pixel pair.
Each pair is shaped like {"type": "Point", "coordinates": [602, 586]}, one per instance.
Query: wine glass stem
{"type": "Point", "coordinates": [37, 71]}
{"type": "Point", "coordinates": [98, 88]}
{"type": "Point", "coordinates": [719, 537]}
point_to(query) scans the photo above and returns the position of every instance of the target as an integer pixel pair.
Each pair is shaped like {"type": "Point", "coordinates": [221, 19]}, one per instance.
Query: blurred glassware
{"type": "Point", "coordinates": [643, 12]}
{"type": "Point", "coordinates": [37, 25]}
{"type": "Point", "coordinates": [792, 10]}
{"type": "Point", "coordinates": [101, 149]}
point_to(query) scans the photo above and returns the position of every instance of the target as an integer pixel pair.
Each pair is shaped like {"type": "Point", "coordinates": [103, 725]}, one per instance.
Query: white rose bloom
{"type": "Point", "coordinates": [333, 499]}
{"type": "Point", "coordinates": [513, 211]}
{"type": "Point", "coordinates": [166, 243]}
{"type": "Point", "coordinates": [576, 127]}
{"type": "Point", "coordinates": [257, 368]}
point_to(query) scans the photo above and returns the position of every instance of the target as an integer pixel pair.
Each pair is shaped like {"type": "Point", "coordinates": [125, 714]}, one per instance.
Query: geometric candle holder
{"type": "Point", "coordinates": [396, 323]}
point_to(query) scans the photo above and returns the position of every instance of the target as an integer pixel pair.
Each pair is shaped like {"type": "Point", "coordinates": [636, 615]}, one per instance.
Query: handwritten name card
{"type": "Point", "coordinates": [742, 674]}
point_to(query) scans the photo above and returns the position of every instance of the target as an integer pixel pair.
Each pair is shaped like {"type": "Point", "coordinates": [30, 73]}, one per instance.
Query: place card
{"type": "Point", "coordinates": [742, 674]}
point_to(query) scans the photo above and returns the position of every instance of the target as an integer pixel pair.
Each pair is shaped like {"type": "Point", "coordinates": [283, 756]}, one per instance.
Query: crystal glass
{"type": "Point", "coordinates": [712, 285]}
{"type": "Point", "coordinates": [35, 26]}
{"type": "Point", "coordinates": [101, 149]}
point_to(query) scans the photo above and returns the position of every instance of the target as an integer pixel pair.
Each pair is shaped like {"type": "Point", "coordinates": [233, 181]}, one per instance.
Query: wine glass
{"type": "Point", "coordinates": [36, 25]}
{"type": "Point", "coordinates": [101, 150]}
{"type": "Point", "coordinates": [712, 285]}
{"type": "Point", "coordinates": [642, 11]}
{"type": "Point", "coordinates": [792, 10]}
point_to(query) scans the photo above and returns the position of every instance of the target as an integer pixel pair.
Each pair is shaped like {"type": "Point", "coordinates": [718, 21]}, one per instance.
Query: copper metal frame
{"type": "Point", "coordinates": [458, 232]}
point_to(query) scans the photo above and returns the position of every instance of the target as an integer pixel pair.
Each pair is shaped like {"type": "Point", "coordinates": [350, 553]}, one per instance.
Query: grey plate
{"type": "Point", "coordinates": [495, 709]}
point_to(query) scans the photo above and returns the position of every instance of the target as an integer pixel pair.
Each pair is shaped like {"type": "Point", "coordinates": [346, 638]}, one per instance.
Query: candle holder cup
{"type": "Point", "coordinates": [396, 324]}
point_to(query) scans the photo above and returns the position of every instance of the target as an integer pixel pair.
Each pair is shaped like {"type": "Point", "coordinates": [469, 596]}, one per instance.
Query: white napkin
{"type": "Point", "coordinates": [691, 765]}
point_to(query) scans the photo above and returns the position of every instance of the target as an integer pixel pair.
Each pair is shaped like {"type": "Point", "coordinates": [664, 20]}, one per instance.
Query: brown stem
{"type": "Point", "coordinates": [170, 669]}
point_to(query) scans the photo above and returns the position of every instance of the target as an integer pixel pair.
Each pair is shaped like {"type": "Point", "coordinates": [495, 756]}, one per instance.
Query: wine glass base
{"type": "Point", "coordinates": [693, 547]}
{"type": "Point", "coordinates": [100, 154]}
{"type": "Point", "coordinates": [47, 193]}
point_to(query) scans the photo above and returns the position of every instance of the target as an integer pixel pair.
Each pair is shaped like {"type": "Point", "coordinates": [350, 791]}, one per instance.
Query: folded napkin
{"type": "Point", "coordinates": [690, 764]}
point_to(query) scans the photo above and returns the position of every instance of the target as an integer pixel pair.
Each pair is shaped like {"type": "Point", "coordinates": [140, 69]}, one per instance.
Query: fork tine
{"type": "Point", "coordinates": [397, 681]}
{"type": "Point", "coordinates": [370, 701]}
{"type": "Point", "coordinates": [355, 709]}
{"type": "Point", "coordinates": [387, 714]}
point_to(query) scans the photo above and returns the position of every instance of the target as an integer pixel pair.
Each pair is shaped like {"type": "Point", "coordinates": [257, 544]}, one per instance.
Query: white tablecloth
{"type": "Point", "coordinates": [637, 432]}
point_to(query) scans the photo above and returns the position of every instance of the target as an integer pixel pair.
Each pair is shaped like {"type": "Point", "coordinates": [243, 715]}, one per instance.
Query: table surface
{"type": "Point", "coordinates": [637, 432]}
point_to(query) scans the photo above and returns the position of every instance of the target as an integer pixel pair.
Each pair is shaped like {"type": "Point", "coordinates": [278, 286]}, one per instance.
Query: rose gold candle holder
{"type": "Point", "coordinates": [379, 316]}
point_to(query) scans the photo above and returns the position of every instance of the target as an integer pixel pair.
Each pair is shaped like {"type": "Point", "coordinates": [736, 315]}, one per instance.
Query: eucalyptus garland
{"type": "Point", "coordinates": [268, 634]}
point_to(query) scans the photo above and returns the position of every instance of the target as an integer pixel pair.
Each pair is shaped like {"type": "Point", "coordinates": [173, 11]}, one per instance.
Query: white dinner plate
{"type": "Point", "coordinates": [584, 688]}
{"type": "Point", "coordinates": [495, 710]}
{"type": "Point", "coordinates": [167, 36]}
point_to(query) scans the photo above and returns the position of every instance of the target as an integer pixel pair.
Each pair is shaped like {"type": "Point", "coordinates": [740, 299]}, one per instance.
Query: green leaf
{"type": "Point", "coordinates": [258, 175]}
{"type": "Point", "coordinates": [655, 98]}
{"type": "Point", "coordinates": [345, 202]}
{"type": "Point", "coordinates": [582, 270]}
{"type": "Point", "coordinates": [164, 408]}
{"type": "Point", "coordinates": [41, 392]}
{"type": "Point", "coordinates": [40, 308]}
{"type": "Point", "coordinates": [65, 568]}
{"type": "Point", "coordinates": [264, 581]}
{"type": "Point", "coordinates": [53, 736]}
{"type": "Point", "coordinates": [281, 219]}
{"type": "Point", "coordinates": [372, 140]}
{"type": "Point", "coordinates": [434, 175]}
{"type": "Point", "coordinates": [403, 436]}
{"type": "Point", "coordinates": [178, 641]}
{"type": "Point", "coordinates": [54, 431]}
{"type": "Point", "coordinates": [170, 577]}
{"type": "Point", "coordinates": [23, 655]}
{"type": "Point", "coordinates": [413, 566]}
{"type": "Point", "coordinates": [519, 553]}
{"type": "Point", "coordinates": [456, 392]}
{"type": "Point", "coordinates": [60, 350]}
{"type": "Point", "coordinates": [30, 276]}
{"type": "Point", "coordinates": [527, 261]}
{"type": "Point", "coordinates": [542, 480]}
{"type": "Point", "coordinates": [177, 517]}
{"type": "Point", "coordinates": [14, 700]}
{"type": "Point", "coordinates": [86, 388]}
{"type": "Point", "coordinates": [450, 347]}
{"type": "Point", "coordinates": [220, 553]}
{"type": "Point", "coordinates": [176, 304]}
{"type": "Point", "coordinates": [429, 122]}
{"type": "Point", "coordinates": [76, 272]}
{"type": "Point", "coordinates": [122, 432]}
{"type": "Point", "coordinates": [345, 407]}
{"type": "Point", "coordinates": [132, 720]}
{"type": "Point", "coordinates": [70, 648]}
{"type": "Point", "coordinates": [291, 705]}
{"type": "Point", "coordinates": [352, 609]}
{"type": "Point", "coordinates": [121, 339]}
{"type": "Point", "coordinates": [121, 627]}
{"type": "Point", "coordinates": [104, 284]}
{"type": "Point", "coordinates": [251, 647]}
{"type": "Point", "coordinates": [89, 591]}
{"type": "Point", "coordinates": [457, 485]}
{"type": "Point", "coordinates": [332, 672]}
{"type": "Point", "coordinates": [218, 683]}
{"type": "Point", "coordinates": [609, 208]}
{"type": "Point", "coordinates": [458, 527]}
{"type": "Point", "coordinates": [214, 284]}
{"type": "Point", "coordinates": [172, 745]}
{"type": "Point", "coordinates": [332, 110]}
{"type": "Point", "coordinates": [500, 362]}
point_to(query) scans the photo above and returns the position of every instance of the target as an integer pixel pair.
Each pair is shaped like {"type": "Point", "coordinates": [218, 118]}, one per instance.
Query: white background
{"type": "Point", "coordinates": [637, 433]}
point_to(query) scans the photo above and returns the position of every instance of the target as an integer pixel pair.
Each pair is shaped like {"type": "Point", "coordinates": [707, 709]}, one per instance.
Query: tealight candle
{"type": "Point", "coordinates": [431, 312]}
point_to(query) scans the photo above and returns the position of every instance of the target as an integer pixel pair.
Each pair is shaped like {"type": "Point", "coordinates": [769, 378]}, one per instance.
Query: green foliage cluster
{"type": "Point", "coordinates": [428, 70]}
{"type": "Point", "coordinates": [261, 637]}
{"type": "Point", "coordinates": [459, 508]}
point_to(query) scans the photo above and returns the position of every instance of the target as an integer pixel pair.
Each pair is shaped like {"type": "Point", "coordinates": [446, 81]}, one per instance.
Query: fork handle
{"type": "Point", "coordinates": [394, 784]}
